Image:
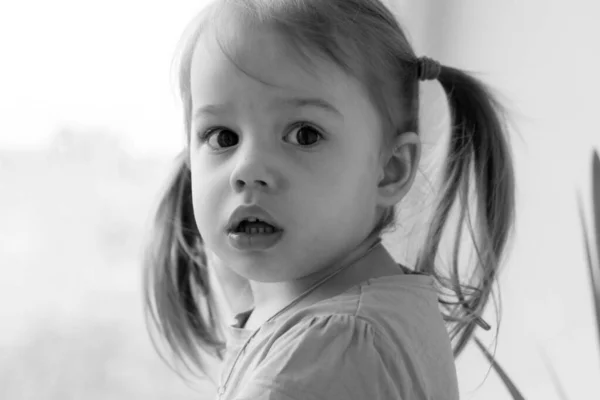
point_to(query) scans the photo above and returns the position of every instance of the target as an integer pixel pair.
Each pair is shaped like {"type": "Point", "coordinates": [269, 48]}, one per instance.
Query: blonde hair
{"type": "Point", "coordinates": [364, 39]}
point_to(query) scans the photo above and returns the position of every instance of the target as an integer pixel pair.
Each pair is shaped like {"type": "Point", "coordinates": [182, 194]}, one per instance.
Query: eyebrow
{"type": "Point", "coordinates": [295, 102]}
{"type": "Point", "coordinates": [315, 102]}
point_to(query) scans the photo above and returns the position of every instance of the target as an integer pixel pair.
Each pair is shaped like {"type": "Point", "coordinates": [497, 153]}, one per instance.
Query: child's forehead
{"type": "Point", "coordinates": [262, 55]}
{"type": "Point", "coordinates": [254, 46]}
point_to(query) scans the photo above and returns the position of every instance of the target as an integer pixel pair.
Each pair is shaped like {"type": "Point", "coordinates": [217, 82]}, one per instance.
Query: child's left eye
{"type": "Point", "coordinates": [219, 138]}
{"type": "Point", "coordinates": [306, 135]}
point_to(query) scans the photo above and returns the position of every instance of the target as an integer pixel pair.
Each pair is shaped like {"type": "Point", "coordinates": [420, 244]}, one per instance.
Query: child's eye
{"type": "Point", "coordinates": [218, 138]}
{"type": "Point", "coordinates": [305, 135]}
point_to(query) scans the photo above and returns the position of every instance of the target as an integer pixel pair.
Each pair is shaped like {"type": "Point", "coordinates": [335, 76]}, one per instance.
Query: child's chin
{"type": "Point", "coordinates": [261, 270]}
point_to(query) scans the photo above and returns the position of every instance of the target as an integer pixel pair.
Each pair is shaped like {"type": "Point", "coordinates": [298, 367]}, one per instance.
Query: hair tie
{"type": "Point", "coordinates": [428, 69]}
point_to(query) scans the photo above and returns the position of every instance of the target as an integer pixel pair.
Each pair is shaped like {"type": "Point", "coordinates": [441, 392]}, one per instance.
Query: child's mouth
{"type": "Point", "coordinates": [256, 235]}
{"type": "Point", "coordinates": [253, 228]}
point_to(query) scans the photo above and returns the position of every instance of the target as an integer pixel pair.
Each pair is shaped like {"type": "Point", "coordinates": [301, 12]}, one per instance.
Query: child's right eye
{"type": "Point", "coordinates": [218, 138]}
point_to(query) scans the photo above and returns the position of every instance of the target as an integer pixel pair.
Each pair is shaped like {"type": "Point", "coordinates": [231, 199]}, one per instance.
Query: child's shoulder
{"type": "Point", "coordinates": [388, 331]}
{"type": "Point", "coordinates": [387, 305]}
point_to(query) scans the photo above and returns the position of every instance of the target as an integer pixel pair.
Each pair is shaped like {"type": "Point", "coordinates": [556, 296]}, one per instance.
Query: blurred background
{"type": "Point", "coordinates": [89, 124]}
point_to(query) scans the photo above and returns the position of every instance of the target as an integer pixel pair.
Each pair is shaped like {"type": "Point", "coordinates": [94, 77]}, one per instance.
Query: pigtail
{"type": "Point", "coordinates": [479, 153]}
{"type": "Point", "coordinates": [177, 297]}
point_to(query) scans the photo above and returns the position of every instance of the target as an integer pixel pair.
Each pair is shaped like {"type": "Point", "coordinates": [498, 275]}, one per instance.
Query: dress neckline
{"type": "Point", "coordinates": [239, 320]}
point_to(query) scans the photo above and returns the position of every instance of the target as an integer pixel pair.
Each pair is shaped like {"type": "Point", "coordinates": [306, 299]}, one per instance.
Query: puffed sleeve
{"type": "Point", "coordinates": [325, 358]}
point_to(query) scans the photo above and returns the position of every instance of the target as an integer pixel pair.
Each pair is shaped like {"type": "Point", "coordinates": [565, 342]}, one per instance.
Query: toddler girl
{"type": "Point", "coordinates": [302, 132]}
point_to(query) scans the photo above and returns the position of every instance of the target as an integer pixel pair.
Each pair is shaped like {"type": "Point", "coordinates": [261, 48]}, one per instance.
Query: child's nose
{"type": "Point", "coordinates": [254, 172]}
{"type": "Point", "coordinates": [241, 184]}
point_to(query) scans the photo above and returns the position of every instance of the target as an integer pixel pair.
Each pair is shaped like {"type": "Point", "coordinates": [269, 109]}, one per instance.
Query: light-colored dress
{"type": "Point", "coordinates": [383, 339]}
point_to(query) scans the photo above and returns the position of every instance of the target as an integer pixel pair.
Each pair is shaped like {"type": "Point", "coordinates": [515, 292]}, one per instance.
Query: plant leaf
{"type": "Point", "coordinates": [550, 368]}
{"type": "Point", "coordinates": [594, 269]}
{"type": "Point", "coordinates": [512, 388]}
{"type": "Point", "coordinates": [596, 211]}
{"type": "Point", "coordinates": [595, 279]}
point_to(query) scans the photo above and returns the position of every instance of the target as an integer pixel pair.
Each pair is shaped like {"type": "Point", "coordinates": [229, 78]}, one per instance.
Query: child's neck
{"type": "Point", "coordinates": [377, 263]}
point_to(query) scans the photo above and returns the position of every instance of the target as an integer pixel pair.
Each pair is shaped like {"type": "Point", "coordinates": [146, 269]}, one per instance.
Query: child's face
{"type": "Point", "coordinates": [321, 190]}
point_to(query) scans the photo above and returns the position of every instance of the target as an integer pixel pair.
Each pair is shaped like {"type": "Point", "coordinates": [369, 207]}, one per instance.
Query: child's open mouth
{"type": "Point", "coordinates": [255, 227]}
{"type": "Point", "coordinates": [254, 234]}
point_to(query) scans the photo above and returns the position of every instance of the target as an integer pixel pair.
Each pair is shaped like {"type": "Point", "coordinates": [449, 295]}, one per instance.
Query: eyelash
{"type": "Point", "coordinates": [205, 135]}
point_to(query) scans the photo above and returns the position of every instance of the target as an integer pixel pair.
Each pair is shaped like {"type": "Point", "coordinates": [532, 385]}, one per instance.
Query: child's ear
{"type": "Point", "coordinates": [399, 169]}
